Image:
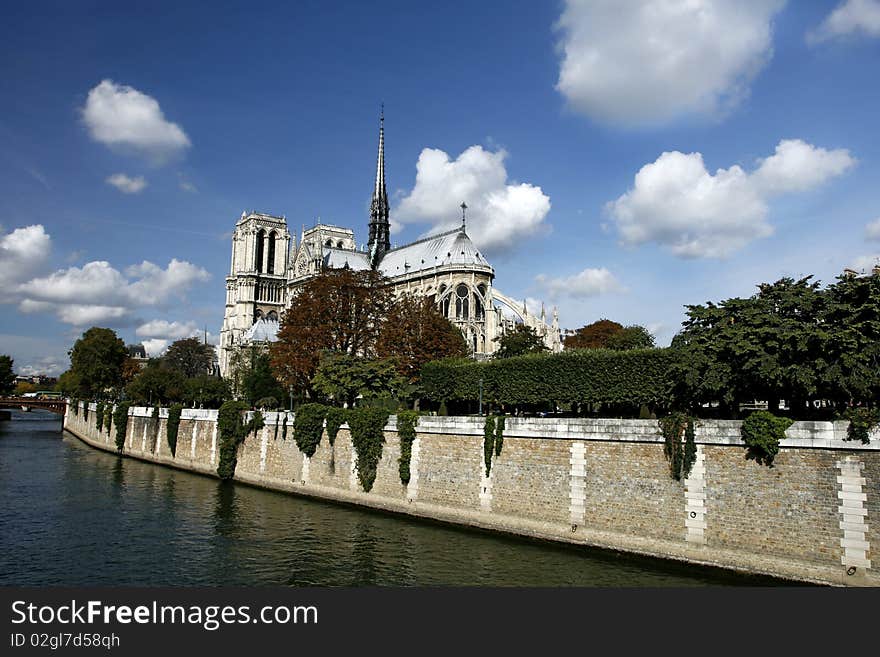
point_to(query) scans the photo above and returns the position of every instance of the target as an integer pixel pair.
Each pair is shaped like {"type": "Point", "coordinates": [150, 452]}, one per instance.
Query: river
{"type": "Point", "coordinates": [76, 516]}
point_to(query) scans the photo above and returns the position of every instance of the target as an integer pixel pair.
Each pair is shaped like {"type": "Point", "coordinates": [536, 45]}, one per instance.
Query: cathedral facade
{"type": "Point", "coordinates": [268, 266]}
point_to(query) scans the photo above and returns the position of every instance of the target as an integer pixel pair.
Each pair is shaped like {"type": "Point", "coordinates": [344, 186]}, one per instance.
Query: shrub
{"type": "Point", "coordinates": [761, 432]}
{"type": "Point", "coordinates": [862, 421]}
{"type": "Point", "coordinates": [367, 436]}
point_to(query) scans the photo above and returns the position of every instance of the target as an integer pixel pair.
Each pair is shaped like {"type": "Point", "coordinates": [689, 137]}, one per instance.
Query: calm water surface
{"type": "Point", "coordinates": [72, 515]}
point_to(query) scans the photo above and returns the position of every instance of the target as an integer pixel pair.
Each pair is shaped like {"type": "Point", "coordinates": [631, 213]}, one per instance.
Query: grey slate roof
{"type": "Point", "coordinates": [339, 258]}
{"type": "Point", "coordinates": [451, 248]}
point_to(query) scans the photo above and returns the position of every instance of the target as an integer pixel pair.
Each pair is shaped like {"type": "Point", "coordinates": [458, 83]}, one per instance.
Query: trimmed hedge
{"type": "Point", "coordinates": [638, 376]}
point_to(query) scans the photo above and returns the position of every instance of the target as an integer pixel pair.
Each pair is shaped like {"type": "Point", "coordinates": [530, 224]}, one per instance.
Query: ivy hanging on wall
{"type": "Point", "coordinates": [488, 442]}
{"type": "Point", "coordinates": [761, 431]}
{"type": "Point", "coordinates": [277, 421]}
{"type": "Point", "coordinates": [155, 417]}
{"type": "Point", "coordinates": [172, 427]}
{"type": "Point", "coordinates": [680, 454]}
{"type": "Point", "coordinates": [862, 421]}
{"type": "Point", "coordinates": [120, 418]}
{"type": "Point", "coordinates": [85, 411]}
{"type": "Point", "coordinates": [284, 428]}
{"type": "Point", "coordinates": [406, 432]}
{"type": "Point", "coordinates": [108, 417]}
{"type": "Point", "coordinates": [336, 417]}
{"type": "Point", "coordinates": [367, 436]}
{"type": "Point", "coordinates": [233, 430]}
{"type": "Point", "coordinates": [99, 416]}
{"type": "Point", "coordinates": [74, 406]}
{"type": "Point", "coordinates": [499, 434]}
{"type": "Point", "coordinates": [308, 425]}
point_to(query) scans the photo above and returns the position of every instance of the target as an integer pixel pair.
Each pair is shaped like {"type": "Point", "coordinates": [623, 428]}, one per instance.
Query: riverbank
{"type": "Point", "coordinates": [602, 483]}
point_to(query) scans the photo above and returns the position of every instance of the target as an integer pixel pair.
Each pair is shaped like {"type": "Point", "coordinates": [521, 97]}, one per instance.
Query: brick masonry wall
{"type": "Point", "coordinates": [592, 482]}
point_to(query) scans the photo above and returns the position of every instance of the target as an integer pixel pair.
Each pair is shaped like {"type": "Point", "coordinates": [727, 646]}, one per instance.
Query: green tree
{"type": "Point", "coordinates": [157, 384]}
{"type": "Point", "coordinates": [206, 391]}
{"type": "Point", "coordinates": [7, 375]}
{"type": "Point", "coordinates": [67, 384]}
{"type": "Point", "coordinates": [522, 340]}
{"type": "Point", "coordinates": [254, 376]}
{"type": "Point", "coordinates": [344, 378]}
{"type": "Point", "coordinates": [189, 356]}
{"type": "Point", "coordinates": [24, 388]}
{"type": "Point", "coordinates": [631, 337]}
{"type": "Point", "coordinates": [96, 360]}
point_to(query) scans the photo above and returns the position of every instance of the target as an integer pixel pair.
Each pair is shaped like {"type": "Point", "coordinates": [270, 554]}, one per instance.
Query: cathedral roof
{"type": "Point", "coordinates": [340, 258]}
{"type": "Point", "coordinates": [451, 248]}
{"type": "Point", "coordinates": [263, 330]}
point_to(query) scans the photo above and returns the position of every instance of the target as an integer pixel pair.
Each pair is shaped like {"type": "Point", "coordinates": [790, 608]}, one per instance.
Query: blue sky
{"type": "Point", "coordinates": [618, 163]}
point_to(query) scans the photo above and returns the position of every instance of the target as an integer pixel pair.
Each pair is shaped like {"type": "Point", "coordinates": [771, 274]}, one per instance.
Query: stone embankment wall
{"type": "Point", "coordinates": [584, 481]}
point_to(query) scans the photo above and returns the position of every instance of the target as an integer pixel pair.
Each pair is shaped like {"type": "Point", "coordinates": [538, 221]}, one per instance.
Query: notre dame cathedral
{"type": "Point", "coordinates": [268, 266]}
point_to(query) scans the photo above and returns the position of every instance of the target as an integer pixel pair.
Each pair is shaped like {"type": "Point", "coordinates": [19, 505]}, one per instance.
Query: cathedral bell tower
{"type": "Point", "coordinates": [257, 281]}
{"type": "Point", "coordinates": [380, 228]}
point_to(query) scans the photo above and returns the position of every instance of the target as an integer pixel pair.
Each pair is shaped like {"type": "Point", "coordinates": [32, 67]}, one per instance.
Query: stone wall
{"type": "Point", "coordinates": [585, 481]}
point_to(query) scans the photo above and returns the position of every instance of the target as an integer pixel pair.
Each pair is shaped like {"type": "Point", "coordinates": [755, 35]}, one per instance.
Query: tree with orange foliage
{"type": "Point", "coordinates": [593, 336]}
{"type": "Point", "coordinates": [414, 333]}
{"type": "Point", "coordinates": [339, 311]}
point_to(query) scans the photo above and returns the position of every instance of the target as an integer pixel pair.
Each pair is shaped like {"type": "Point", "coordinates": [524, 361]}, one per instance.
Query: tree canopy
{"type": "Point", "coordinates": [340, 311]}
{"type": "Point", "coordinates": [344, 378]}
{"type": "Point", "coordinates": [522, 340]}
{"type": "Point", "coordinates": [189, 356]}
{"type": "Point", "coordinates": [414, 333]}
{"type": "Point", "coordinates": [631, 337]}
{"type": "Point", "coordinates": [7, 375]}
{"type": "Point", "coordinates": [593, 336]}
{"type": "Point", "coordinates": [96, 362]}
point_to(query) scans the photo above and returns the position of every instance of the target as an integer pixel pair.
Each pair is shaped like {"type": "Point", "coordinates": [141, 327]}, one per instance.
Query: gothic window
{"type": "Point", "coordinates": [272, 316]}
{"type": "Point", "coordinates": [478, 301]}
{"type": "Point", "coordinates": [270, 264]}
{"type": "Point", "coordinates": [328, 243]}
{"type": "Point", "coordinates": [258, 264]}
{"type": "Point", "coordinates": [258, 315]}
{"type": "Point", "coordinates": [462, 295]}
{"type": "Point", "coordinates": [339, 244]}
{"type": "Point", "coordinates": [444, 301]}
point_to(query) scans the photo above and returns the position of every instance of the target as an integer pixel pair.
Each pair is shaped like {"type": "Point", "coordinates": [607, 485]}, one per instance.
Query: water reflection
{"type": "Point", "coordinates": [77, 516]}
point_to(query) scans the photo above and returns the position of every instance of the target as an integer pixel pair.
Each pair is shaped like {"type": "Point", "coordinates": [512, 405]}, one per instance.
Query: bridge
{"type": "Point", "coordinates": [58, 406]}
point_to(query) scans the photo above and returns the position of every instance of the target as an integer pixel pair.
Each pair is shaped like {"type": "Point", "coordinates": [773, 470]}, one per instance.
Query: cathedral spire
{"type": "Point", "coordinates": [380, 229]}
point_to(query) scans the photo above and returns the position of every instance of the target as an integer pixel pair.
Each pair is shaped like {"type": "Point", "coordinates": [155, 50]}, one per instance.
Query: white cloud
{"type": "Point", "coordinates": [866, 263]}
{"type": "Point", "coordinates": [22, 253]}
{"type": "Point", "coordinates": [676, 202]}
{"type": "Point", "coordinates": [120, 116]}
{"type": "Point", "coordinates": [47, 366]}
{"type": "Point", "coordinates": [499, 213]}
{"type": "Point", "coordinates": [590, 282]}
{"type": "Point", "coordinates": [155, 347]}
{"type": "Point", "coordinates": [98, 293]}
{"type": "Point", "coordinates": [848, 18]}
{"type": "Point", "coordinates": [872, 230]}
{"type": "Point", "coordinates": [125, 184]}
{"type": "Point", "coordinates": [659, 59]}
{"type": "Point", "coordinates": [160, 328]}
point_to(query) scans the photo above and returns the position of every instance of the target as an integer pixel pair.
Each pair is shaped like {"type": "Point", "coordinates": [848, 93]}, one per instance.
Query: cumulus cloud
{"type": "Point", "coordinates": [849, 18]}
{"type": "Point", "coordinates": [590, 282]}
{"type": "Point", "coordinates": [125, 184]}
{"type": "Point", "coordinates": [866, 263]}
{"type": "Point", "coordinates": [872, 230]}
{"type": "Point", "coordinates": [161, 328]}
{"type": "Point", "coordinates": [155, 347]}
{"type": "Point", "coordinates": [122, 117]}
{"type": "Point", "coordinates": [99, 293]}
{"type": "Point", "coordinates": [659, 59]}
{"type": "Point", "coordinates": [676, 202]}
{"type": "Point", "coordinates": [22, 253]}
{"type": "Point", "coordinates": [499, 214]}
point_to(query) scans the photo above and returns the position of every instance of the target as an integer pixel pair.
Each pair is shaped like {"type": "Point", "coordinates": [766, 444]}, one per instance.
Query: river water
{"type": "Point", "coordinates": [72, 515]}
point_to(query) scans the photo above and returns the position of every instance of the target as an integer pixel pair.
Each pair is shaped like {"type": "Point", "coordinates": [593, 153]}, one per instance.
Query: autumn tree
{"type": "Point", "coordinates": [416, 332]}
{"type": "Point", "coordinates": [593, 336]}
{"type": "Point", "coordinates": [96, 361]}
{"type": "Point", "coordinates": [24, 388]}
{"type": "Point", "coordinates": [522, 340]}
{"type": "Point", "coordinates": [340, 311]}
{"type": "Point", "coordinates": [189, 356]}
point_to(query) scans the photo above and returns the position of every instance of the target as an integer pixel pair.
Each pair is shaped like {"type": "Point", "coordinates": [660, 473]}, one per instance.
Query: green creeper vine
{"type": "Point", "coordinates": [336, 417]}
{"type": "Point", "coordinates": [680, 455]}
{"type": "Point", "coordinates": [233, 430]}
{"type": "Point", "coordinates": [761, 432]}
{"type": "Point", "coordinates": [74, 406]}
{"type": "Point", "coordinates": [155, 424]}
{"type": "Point", "coordinates": [172, 427]}
{"type": "Point", "coordinates": [108, 418]}
{"type": "Point", "coordinates": [367, 436]}
{"type": "Point", "coordinates": [488, 442]}
{"type": "Point", "coordinates": [862, 421]}
{"type": "Point", "coordinates": [284, 428]}
{"type": "Point", "coordinates": [499, 434]}
{"type": "Point", "coordinates": [85, 411]}
{"type": "Point", "coordinates": [406, 432]}
{"type": "Point", "coordinates": [99, 416]}
{"type": "Point", "coordinates": [277, 421]}
{"type": "Point", "coordinates": [120, 418]}
{"type": "Point", "coordinates": [308, 424]}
